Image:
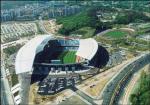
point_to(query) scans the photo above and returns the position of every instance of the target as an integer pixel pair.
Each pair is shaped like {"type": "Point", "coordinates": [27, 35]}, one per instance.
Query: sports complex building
{"type": "Point", "coordinates": [54, 61]}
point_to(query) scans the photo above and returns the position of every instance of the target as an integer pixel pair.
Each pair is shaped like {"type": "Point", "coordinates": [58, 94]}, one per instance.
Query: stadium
{"type": "Point", "coordinates": [46, 54]}
{"type": "Point", "coordinates": [56, 62]}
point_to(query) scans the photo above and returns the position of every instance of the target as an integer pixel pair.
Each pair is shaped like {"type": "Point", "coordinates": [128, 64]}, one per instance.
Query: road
{"type": "Point", "coordinates": [131, 86]}
{"type": "Point", "coordinates": [102, 33]}
{"type": "Point", "coordinates": [108, 74]}
{"type": "Point", "coordinates": [113, 96]}
{"type": "Point", "coordinates": [129, 89]}
{"type": "Point", "coordinates": [6, 96]}
{"type": "Point", "coordinates": [81, 91]}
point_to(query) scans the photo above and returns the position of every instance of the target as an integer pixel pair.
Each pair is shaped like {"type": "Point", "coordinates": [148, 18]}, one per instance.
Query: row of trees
{"type": "Point", "coordinates": [142, 95]}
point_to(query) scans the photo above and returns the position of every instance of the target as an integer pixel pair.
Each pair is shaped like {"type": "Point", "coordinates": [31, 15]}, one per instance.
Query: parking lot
{"type": "Point", "coordinates": [53, 85]}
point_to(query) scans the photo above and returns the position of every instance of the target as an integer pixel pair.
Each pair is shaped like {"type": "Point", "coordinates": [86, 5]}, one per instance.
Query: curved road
{"type": "Point", "coordinates": [130, 87]}
{"type": "Point", "coordinates": [111, 96]}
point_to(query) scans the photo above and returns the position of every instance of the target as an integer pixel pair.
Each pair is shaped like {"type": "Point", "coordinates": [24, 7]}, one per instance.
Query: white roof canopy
{"type": "Point", "coordinates": [25, 56]}
{"type": "Point", "coordinates": [87, 48]}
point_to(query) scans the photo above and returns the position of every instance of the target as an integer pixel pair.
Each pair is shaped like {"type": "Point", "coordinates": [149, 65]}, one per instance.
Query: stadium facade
{"type": "Point", "coordinates": [60, 59]}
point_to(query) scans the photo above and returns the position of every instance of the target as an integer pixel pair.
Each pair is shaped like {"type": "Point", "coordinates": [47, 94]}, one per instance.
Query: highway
{"type": "Point", "coordinates": [80, 91]}
{"type": "Point", "coordinates": [129, 89]}
{"type": "Point", "coordinates": [131, 85]}
{"type": "Point", "coordinates": [6, 93]}
{"type": "Point", "coordinates": [6, 96]}
{"type": "Point", "coordinates": [113, 90]}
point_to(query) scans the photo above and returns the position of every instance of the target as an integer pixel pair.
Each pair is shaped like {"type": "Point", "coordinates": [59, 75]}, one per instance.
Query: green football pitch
{"type": "Point", "coordinates": [68, 57]}
{"type": "Point", "coordinates": [116, 34]}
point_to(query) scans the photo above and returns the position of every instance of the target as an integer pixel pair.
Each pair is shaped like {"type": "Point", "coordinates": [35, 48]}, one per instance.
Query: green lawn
{"type": "Point", "coordinates": [116, 34]}
{"type": "Point", "coordinates": [68, 57]}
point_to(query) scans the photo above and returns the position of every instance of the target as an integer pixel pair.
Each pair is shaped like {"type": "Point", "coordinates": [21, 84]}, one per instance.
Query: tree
{"type": "Point", "coordinates": [133, 99]}
{"type": "Point", "coordinates": [141, 96]}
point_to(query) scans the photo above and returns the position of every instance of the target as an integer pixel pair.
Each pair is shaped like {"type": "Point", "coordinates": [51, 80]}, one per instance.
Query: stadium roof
{"type": "Point", "coordinates": [25, 56]}
{"type": "Point", "coordinates": [87, 48]}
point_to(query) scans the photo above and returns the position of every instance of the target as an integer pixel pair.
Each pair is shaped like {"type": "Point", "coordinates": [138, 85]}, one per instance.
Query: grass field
{"type": "Point", "coordinates": [68, 57]}
{"type": "Point", "coordinates": [116, 34]}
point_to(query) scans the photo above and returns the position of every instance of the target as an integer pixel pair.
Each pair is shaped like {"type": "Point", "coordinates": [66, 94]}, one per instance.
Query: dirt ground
{"type": "Point", "coordinates": [51, 26]}
{"type": "Point", "coordinates": [95, 90]}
